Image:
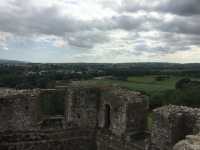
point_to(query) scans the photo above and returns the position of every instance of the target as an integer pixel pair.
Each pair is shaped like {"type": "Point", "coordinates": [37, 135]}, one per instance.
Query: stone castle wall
{"type": "Point", "coordinates": [71, 139]}
{"type": "Point", "coordinates": [191, 142]}
{"type": "Point", "coordinates": [95, 118]}
{"type": "Point", "coordinates": [88, 110]}
{"type": "Point", "coordinates": [81, 106]}
{"type": "Point", "coordinates": [109, 141]}
{"type": "Point", "coordinates": [124, 109]}
{"type": "Point", "coordinates": [172, 124]}
{"type": "Point", "coordinates": [18, 110]}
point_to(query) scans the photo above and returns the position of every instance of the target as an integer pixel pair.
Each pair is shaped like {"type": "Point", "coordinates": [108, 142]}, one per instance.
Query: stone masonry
{"type": "Point", "coordinates": [95, 118]}
{"type": "Point", "coordinates": [18, 109]}
{"type": "Point", "coordinates": [172, 124]}
{"type": "Point", "coordinates": [91, 113]}
{"type": "Point", "coordinates": [192, 142]}
{"type": "Point", "coordinates": [124, 107]}
{"type": "Point", "coordinates": [81, 106]}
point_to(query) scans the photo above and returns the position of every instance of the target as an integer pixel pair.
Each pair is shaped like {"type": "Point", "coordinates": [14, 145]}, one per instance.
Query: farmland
{"type": "Point", "coordinates": [145, 84]}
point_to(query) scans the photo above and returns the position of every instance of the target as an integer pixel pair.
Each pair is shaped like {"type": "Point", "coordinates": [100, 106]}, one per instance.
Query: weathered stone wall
{"type": "Point", "coordinates": [117, 115]}
{"type": "Point", "coordinates": [71, 139]}
{"type": "Point", "coordinates": [192, 142]}
{"type": "Point", "coordinates": [18, 109]}
{"type": "Point", "coordinates": [137, 112]}
{"type": "Point", "coordinates": [117, 112]}
{"type": "Point", "coordinates": [82, 106]}
{"type": "Point", "coordinates": [172, 124]}
{"type": "Point", "coordinates": [124, 109]}
{"type": "Point", "coordinates": [51, 102]}
{"type": "Point", "coordinates": [109, 141]}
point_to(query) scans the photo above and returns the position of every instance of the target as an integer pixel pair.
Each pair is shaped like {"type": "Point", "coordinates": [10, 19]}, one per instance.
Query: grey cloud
{"type": "Point", "coordinates": [48, 21]}
{"type": "Point", "coordinates": [41, 21]}
{"type": "Point", "coordinates": [87, 39]}
{"type": "Point", "coordinates": [151, 49]}
{"type": "Point", "coordinates": [178, 34]}
{"type": "Point", "coordinates": [164, 43]}
{"type": "Point", "coordinates": [179, 7]}
{"type": "Point", "coordinates": [133, 6]}
{"type": "Point", "coordinates": [27, 19]}
{"type": "Point", "coordinates": [178, 24]}
{"type": "Point", "coordinates": [128, 22]}
{"type": "Point", "coordinates": [124, 22]}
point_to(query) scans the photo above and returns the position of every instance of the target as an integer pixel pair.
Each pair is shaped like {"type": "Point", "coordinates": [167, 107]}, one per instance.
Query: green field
{"type": "Point", "coordinates": [146, 84]}
{"type": "Point", "coordinates": [160, 91]}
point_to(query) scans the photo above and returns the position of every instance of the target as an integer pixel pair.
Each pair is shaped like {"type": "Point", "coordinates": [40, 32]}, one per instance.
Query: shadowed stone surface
{"type": "Point", "coordinates": [172, 124]}
{"type": "Point", "coordinates": [18, 109]}
{"type": "Point", "coordinates": [93, 117]}
{"type": "Point", "coordinates": [71, 139]}
{"type": "Point", "coordinates": [192, 142]}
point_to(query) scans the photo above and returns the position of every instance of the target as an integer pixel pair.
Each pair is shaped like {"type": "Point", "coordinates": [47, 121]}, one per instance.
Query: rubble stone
{"type": "Point", "coordinates": [94, 115]}
{"type": "Point", "coordinates": [192, 142]}
{"type": "Point", "coordinates": [172, 124]}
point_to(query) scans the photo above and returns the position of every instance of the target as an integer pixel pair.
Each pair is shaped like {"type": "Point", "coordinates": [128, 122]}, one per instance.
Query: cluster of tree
{"type": "Point", "coordinates": [186, 93]}
{"type": "Point", "coordinates": [42, 75]}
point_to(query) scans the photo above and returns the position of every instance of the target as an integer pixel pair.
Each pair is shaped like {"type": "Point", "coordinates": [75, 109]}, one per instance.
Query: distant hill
{"type": "Point", "coordinates": [4, 61]}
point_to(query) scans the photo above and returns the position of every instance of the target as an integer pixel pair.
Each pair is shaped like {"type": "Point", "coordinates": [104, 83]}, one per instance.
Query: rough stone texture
{"type": "Point", "coordinates": [18, 109]}
{"type": "Point", "coordinates": [108, 141]}
{"type": "Point", "coordinates": [54, 98]}
{"type": "Point", "coordinates": [124, 109]}
{"type": "Point", "coordinates": [172, 124]}
{"type": "Point", "coordinates": [52, 123]}
{"type": "Point", "coordinates": [192, 142]}
{"type": "Point", "coordinates": [71, 139]}
{"type": "Point", "coordinates": [95, 118]}
{"type": "Point", "coordinates": [106, 117]}
{"type": "Point", "coordinates": [86, 107]}
{"type": "Point", "coordinates": [82, 106]}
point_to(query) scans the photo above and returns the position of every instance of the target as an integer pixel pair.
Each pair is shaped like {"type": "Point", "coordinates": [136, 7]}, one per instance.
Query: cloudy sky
{"type": "Point", "coordinates": [100, 30]}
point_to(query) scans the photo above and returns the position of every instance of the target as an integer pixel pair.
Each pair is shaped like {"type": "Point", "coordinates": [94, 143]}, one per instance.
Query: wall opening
{"type": "Point", "coordinates": [184, 126]}
{"type": "Point", "coordinates": [52, 103]}
{"type": "Point", "coordinates": [107, 116]}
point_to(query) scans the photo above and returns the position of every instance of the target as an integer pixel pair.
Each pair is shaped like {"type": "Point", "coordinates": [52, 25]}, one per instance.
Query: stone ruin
{"type": "Point", "coordinates": [95, 118]}
{"type": "Point", "coordinates": [172, 124]}
{"type": "Point", "coordinates": [192, 142]}
{"type": "Point", "coordinates": [18, 109]}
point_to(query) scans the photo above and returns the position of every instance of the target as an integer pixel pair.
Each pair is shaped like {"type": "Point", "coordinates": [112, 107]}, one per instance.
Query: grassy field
{"type": "Point", "coordinates": [146, 84]}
